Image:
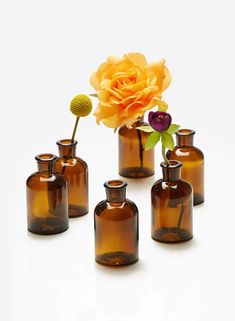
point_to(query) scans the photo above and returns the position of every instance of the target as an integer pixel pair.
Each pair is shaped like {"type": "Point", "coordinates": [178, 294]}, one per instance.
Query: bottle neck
{"type": "Point", "coordinates": [171, 173]}
{"type": "Point", "coordinates": [115, 191]}
{"type": "Point", "coordinates": [184, 137]}
{"type": "Point", "coordinates": [67, 148]}
{"type": "Point", "coordinates": [46, 163]}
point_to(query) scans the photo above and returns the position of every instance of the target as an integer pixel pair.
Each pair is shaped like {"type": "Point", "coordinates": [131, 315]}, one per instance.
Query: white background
{"type": "Point", "coordinates": [48, 51]}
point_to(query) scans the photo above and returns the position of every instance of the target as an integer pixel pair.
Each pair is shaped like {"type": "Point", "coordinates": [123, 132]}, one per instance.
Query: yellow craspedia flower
{"type": "Point", "coordinates": [81, 105]}
{"type": "Point", "coordinates": [126, 87]}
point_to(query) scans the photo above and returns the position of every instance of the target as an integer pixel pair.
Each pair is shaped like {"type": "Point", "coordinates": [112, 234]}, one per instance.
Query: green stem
{"type": "Point", "coordinates": [164, 156]}
{"type": "Point", "coordinates": [75, 128]}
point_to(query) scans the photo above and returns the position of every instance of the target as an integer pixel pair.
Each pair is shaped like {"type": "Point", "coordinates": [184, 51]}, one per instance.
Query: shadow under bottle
{"type": "Point", "coordinates": [116, 227]}
{"type": "Point", "coordinates": [47, 198]}
{"type": "Point", "coordinates": [76, 172]}
{"type": "Point", "coordinates": [171, 200]}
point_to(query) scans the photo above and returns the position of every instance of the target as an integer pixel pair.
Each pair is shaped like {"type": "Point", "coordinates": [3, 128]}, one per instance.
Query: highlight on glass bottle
{"type": "Point", "coordinates": [116, 227]}
{"type": "Point", "coordinates": [76, 172]}
{"type": "Point", "coordinates": [47, 198]}
{"type": "Point", "coordinates": [171, 199]}
{"type": "Point", "coordinates": [193, 162]}
{"type": "Point", "coordinates": [134, 160]}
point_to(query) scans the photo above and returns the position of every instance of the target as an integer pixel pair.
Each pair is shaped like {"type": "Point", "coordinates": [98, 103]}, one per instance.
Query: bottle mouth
{"type": "Point", "coordinates": [66, 142]}
{"type": "Point", "coordinates": [173, 164]}
{"type": "Point", "coordinates": [115, 184]}
{"type": "Point", "coordinates": [45, 157]}
{"type": "Point", "coordinates": [185, 132]}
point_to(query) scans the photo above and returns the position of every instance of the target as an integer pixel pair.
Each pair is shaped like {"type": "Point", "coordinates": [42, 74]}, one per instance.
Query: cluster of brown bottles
{"type": "Point", "coordinates": [58, 190]}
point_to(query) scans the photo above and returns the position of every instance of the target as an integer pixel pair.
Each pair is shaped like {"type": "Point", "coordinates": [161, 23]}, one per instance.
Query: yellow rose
{"type": "Point", "coordinates": [127, 87]}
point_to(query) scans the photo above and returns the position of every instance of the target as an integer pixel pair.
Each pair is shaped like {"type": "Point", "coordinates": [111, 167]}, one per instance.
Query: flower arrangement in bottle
{"type": "Point", "coordinates": [126, 88]}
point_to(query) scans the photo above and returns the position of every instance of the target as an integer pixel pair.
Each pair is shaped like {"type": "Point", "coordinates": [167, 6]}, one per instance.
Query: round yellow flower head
{"type": "Point", "coordinates": [81, 105]}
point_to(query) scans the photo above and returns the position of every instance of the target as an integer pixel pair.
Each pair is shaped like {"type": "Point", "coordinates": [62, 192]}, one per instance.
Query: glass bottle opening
{"type": "Point", "coordinates": [185, 132]}
{"type": "Point", "coordinates": [173, 164]}
{"type": "Point", "coordinates": [115, 184]}
{"type": "Point", "coordinates": [66, 142]}
{"type": "Point", "coordinates": [46, 157]}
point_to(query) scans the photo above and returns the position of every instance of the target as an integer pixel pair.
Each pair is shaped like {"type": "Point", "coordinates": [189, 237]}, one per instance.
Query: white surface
{"type": "Point", "coordinates": [48, 51]}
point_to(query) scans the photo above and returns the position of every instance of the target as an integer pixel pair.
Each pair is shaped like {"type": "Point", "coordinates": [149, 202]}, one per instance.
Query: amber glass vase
{"type": "Point", "coordinates": [116, 227]}
{"type": "Point", "coordinates": [76, 172]}
{"type": "Point", "coordinates": [193, 162]}
{"type": "Point", "coordinates": [47, 199]}
{"type": "Point", "coordinates": [171, 206]}
{"type": "Point", "coordinates": [134, 160]}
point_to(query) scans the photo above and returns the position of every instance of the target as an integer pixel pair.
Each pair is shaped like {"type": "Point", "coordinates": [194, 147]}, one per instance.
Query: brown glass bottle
{"type": "Point", "coordinates": [47, 198]}
{"type": "Point", "coordinates": [171, 206]}
{"type": "Point", "coordinates": [134, 160]}
{"type": "Point", "coordinates": [116, 227]}
{"type": "Point", "coordinates": [76, 171]}
{"type": "Point", "coordinates": [193, 162]}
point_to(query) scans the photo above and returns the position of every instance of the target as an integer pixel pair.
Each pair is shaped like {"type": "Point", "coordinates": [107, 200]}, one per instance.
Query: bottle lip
{"type": "Point", "coordinates": [66, 142]}
{"type": "Point", "coordinates": [115, 184]}
{"type": "Point", "coordinates": [185, 132]}
{"type": "Point", "coordinates": [173, 164]}
{"type": "Point", "coordinates": [45, 157]}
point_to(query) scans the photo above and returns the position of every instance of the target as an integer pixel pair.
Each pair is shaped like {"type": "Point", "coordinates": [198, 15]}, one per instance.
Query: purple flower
{"type": "Point", "coordinates": [159, 120]}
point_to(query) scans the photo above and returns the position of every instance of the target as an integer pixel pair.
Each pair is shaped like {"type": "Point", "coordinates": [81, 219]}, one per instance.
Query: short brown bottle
{"type": "Point", "coordinates": [171, 206]}
{"type": "Point", "coordinates": [116, 227]}
{"type": "Point", "coordinates": [47, 198]}
{"type": "Point", "coordinates": [134, 160]}
{"type": "Point", "coordinates": [193, 162]}
{"type": "Point", "coordinates": [76, 172]}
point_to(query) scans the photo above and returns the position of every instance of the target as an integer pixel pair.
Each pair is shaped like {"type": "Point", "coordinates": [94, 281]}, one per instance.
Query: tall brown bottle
{"type": "Point", "coordinates": [193, 162]}
{"type": "Point", "coordinates": [76, 171]}
{"type": "Point", "coordinates": [171, 206]}
{"type": "Point", "coordinates": [47, 198]}
{"type": "Point", "coordinates": [116, 227]}
{"type": "Point", "coordinates": [134, 160]}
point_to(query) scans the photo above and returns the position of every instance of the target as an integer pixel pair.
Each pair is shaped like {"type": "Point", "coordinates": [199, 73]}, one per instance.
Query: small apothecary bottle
{"type": "Point", "coordinates": [76, 172]}
{"type": "Point", "coordinates": [193, 162]}
{"type": "Point", "coordinates": [47, 198]}
{"type": "Point", "coordinates": [134, 160]}
{"type": "Point", "coordinates": [116, 227]}
{"type": "Point", "coordinates": [171, 206]}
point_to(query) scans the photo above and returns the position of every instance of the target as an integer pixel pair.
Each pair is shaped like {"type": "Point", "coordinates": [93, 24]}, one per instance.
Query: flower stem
{"type": "Point", "coordinates": [75, 128]}
{"type": "Point", "coordinates": [140, 147]}
{"type": "Point", "coordinates": [164, 156]}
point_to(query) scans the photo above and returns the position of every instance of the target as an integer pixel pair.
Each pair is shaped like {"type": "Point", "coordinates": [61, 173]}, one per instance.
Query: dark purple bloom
{"type": "Point", "coordinates": [159, 120]}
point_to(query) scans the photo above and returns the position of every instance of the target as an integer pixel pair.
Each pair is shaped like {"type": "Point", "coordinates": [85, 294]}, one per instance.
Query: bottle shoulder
{"type": "Point", "coordinates": [124, 131]}
{"type": "Point", "coordinates": [116, 211]}
{"type": "Point", "coordinates": [41, 179]}
{"type": "Point", "coordinates": [75, 162]}
{"type": "Point", "coordinates": [190, 153]}
{"type": "Point", "coordinates": [177, 186]}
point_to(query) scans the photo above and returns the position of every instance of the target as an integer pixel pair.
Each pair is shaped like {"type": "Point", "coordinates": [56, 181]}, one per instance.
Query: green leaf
{"type": "Point", "coordinates": [147, 129]}
{"type": "Point", "coordinates": [167, 141]}
{"type": "Point", "coordinates": [93, 95]}
{"type": "Point", "coordinates": [152, 140]}
{"type": "Point", "coordinates": [172, 129]}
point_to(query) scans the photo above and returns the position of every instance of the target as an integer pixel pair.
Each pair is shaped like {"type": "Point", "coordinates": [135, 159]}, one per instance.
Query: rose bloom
{"type": "Point", "coordinates": [126, 87]}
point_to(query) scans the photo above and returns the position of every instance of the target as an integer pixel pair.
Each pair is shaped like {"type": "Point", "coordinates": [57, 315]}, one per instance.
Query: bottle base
{"type": "Point", "coordinates": [172, 235]}
{"type": "Point", "coordinates": [49, 226]}
{"type": "Point", "coordinates": [197, 199]}
{"type": "Point", "coordinates": [136, 172]}
{"type": "Point", "coordinates": [77, 211]}
{"type": "Point", "coordinates": [116, 259]}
